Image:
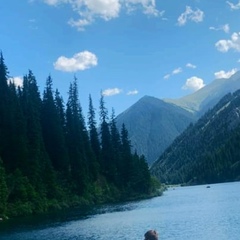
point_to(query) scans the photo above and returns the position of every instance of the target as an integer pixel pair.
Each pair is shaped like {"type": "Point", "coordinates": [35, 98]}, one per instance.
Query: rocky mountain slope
{"type": "Point", "coordinates": [153, 124]}
{"type": "Point", "coordinates": [207, 151]}
{"type": "Point", "coordinates": [208, 96]}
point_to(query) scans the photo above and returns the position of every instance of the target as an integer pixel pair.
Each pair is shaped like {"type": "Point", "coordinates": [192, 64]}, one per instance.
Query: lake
{"type": "Point", "coordinates": [194, 213]}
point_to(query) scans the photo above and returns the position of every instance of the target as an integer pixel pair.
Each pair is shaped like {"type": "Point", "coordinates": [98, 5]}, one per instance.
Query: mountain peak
{"type": "Point", "coordinates": [206, 97]}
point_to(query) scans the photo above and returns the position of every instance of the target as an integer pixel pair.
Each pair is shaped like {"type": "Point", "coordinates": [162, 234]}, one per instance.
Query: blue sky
{"type": "Point", "coordinates": [125, 49]}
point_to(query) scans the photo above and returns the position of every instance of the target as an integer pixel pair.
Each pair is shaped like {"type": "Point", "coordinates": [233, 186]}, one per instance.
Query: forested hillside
{"type": "Point", "coordinates": [153, 125]}
{"type": "Point", "coordinates": [208, 151]}
{"type": "Point", "coordinates": [50, 158]}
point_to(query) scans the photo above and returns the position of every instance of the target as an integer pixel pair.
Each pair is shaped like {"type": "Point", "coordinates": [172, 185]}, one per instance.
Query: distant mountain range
{"type": "Point", "coordinates": [153, 123]}
{"type": "Point", "coordinates": [205, 98]}
{"type": "Point", "coordinates": [207, 151]}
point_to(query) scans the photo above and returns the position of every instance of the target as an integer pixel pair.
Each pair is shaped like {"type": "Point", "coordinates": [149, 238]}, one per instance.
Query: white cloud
{"type": "Point", "coordinates": [223, 74]}
{"type": "Point", "coordinates": [234, 6]}
{"type": "Point", "coordinates": [106, 9]}
{"type": "Point", "coordinates": [89, 10]}
{"type": "Point", "coordinates": [167, 76]}
{"type": "Point", "coordinates": [111, 91]}
{"type": "Point", "coordinates": [195, 16]}
{"type": "Point", "coordinates": [226, 45]}
{"type": "Point", "coordinates": [174, 72]}
{"type": "Point", "coordinates": [79, 62]}
{"type": "Point", "coordinates": [80, 24]}
{"type": "Point", "coordinates": [134, 92]}
{"type": "Point", "coordinates": [149, 6]}
{"type": "Point", "coordinates": [190, 65]}
{"type": "Point", "coordinates": [54, 2]}
{"type": "Point", "coordinates": [224, 28]}
{"type": "Point", "coordinates": [194, 84]}
{"type": "Point", "coordinates": [18, 81]}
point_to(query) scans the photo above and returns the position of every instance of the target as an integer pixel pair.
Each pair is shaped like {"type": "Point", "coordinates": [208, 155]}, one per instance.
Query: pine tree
{"type": "Point", "coordinates": [4, 109]}
{"type": "Point", "coordinates": [60, 109]}
{"type": "Point", "coordinates": [106, 146]}
{"type": "Point", "coordinates": [39, 168]}
{"type": "Point", "coordinates": [125, 155]}
{"type": "Point", "coordinates": [31, 105]}
{"type": "Point", "coordinates": [53, 132]}
{"type": "Point", "coordinates": [17, 151]}
{"type": "Point", "coordinates": [116, 154]}
{"type": "Point", "coordinates": [94, 140]}
{"type": "Point", "coordinates": [93, 133]}
{"type": "Point", "coordinates": [76, 134]}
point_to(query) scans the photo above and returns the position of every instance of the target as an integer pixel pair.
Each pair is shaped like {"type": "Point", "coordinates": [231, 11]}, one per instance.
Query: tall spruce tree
{"type": "Point", "coordinates": [39, 169]}
{"type": "Point", "coordinates": [140, 178]}
{"type": "Point", "coordinates": [17, 147]}
{"type": "Point", "coordinates": [106, 145]}
{"type": "Point", "coordinates": [60, 109]}
{"type": "Point", "coordinates": [126, 155]}
{"type": "Point", "coordinates": [31, 105]}
{"type": "Point", "coordinates": [76, 134]}
{"type": "Point", "coordinates": [12, 141]}
{"type": "Point", "coordinates": [94, 139]}
{"type": "Point", "coordinates": [4, 109]}
{"type": "Point", "coordinates": [116, 154]}
{"type": "Point", "coordinates": [53, 132]}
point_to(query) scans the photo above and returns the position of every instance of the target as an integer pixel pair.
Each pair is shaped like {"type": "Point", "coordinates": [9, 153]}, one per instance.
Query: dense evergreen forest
{"type": "Point", "coordinates": [207, 151]}
{"type": "Point", "coordinates": [51, 159]}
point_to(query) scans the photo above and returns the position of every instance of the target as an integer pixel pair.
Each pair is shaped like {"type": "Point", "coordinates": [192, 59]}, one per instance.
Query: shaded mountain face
{"type": "Point", "coordinates": [208, 151]}
{"type": "Point", "coordinates": [153, 124]}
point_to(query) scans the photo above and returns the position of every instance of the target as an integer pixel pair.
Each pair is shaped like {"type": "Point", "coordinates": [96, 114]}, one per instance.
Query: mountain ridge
{"type": "Point", "coordinates": [207, 151]}
{"type": "Point", "coordinates": [211, 93]}
{"type": "Point", "coordinates": [154, 123]}
{"type": "Point", "coordinates": [149, 116]}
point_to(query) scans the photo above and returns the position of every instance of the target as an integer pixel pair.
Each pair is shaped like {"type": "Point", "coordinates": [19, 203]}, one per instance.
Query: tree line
{"type": "Point", "coordinates": [51, 158]}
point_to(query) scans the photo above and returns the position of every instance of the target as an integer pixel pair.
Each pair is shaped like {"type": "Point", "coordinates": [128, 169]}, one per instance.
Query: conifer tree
{"type": "Point", "coordinates": [93, 133]}
{"type": "Point", "coordinates": [39, 169]}
{"type": "Point", "coordinates": [53, 131]}
{"type": "Point", "coordinates": [125, 154]}
{"type": "Point", "coordinates": [106, 146]}
{"type": "Point", "coordinates": [94, 139]}
{"type": "Point", "coordinates": [17, 147]}
{"type": "Point", "coordinates": [4, 108]}
{"type": "Point", "coordinates": [60, 109]}
{"type": "Point", "coordinates": [116, 145]}
{"type": "Point", "coordinates": [76, 140]}
{"type": "Point", "coordinates": [31, 105]}
{"type": "Point", "coordinates": [48, 155]}
{"type": "Point", "coordinates": [140, 177]}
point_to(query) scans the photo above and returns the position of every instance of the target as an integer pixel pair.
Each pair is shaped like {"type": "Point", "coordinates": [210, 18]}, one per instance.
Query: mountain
{"type": "Point", "coordinates": [205, 98]}
{"type": "Point", "coordinates": [207, 151]}
{"type": "Point", "coordinates": [153, 124]}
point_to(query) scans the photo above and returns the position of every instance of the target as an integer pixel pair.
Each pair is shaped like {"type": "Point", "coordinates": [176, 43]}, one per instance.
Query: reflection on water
{"type": "Point", "coordinates": [197, 213]}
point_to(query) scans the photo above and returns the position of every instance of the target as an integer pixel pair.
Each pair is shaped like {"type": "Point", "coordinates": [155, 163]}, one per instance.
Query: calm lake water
{"type": "Point", "coordinates": [182, 213]}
